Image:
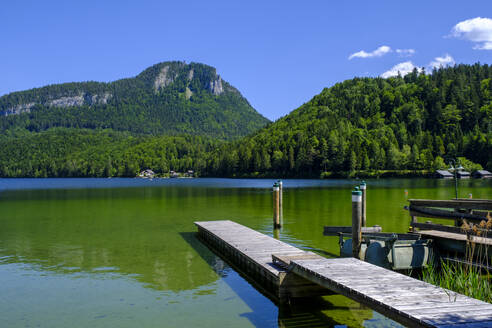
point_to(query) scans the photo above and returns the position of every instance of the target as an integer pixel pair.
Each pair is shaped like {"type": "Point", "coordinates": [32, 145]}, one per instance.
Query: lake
{"type": "Point", "coordinates": [122, 252]}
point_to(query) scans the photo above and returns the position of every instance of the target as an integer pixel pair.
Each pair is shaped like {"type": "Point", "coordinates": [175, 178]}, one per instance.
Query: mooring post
{"type": "Point", "coordinates": [276, 233]}
{"type": "Point", "coordinates": [276, 208]}
{"type": "Point", "coordinates": [356, 222]}
{"type": "Point", "coordinates": [413, 220]}
{"type": "Point", "coordinates": [363, 189]}
{"type": "Point", "coordinates": [281, 194]}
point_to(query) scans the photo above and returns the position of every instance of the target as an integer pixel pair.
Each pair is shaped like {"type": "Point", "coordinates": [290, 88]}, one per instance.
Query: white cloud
{"type": "Point", "coordinates": [383, 50]}
{"type": "Point", "coordinates": [444, 61]}
{"type": "Point", "coordinates": [478, 30]}
{"type": "Point", "coordinates": [405, 52]}
{"type": "Point", "coordinates": [403, 68]}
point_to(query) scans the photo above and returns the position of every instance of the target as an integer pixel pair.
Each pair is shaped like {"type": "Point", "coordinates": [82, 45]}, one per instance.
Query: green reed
{"type": "Point", "coordinates": [462, 278]}
{"type": "Point", "coordinates": [465, 277]}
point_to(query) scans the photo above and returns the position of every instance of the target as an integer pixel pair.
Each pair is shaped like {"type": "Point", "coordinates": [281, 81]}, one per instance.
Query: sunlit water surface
{"type": "Point", "coordinates": [122, 252]}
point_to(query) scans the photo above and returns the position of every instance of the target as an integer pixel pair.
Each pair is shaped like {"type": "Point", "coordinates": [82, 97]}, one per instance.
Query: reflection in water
{"type": "Point", "coordinates": [134, 232]}
{"type": "Point", "coordinates": [325, 311]}
{"type": "Point", "coordinates": [86, 255]}
{"type": "Point", "coordinates": [328, 311]}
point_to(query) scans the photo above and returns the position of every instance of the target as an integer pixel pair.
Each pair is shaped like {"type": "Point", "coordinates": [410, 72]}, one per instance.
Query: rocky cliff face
{"type": "Point", "coordinates": [190, 74]}
{"type": "Point", "coordinates": [216, 86]}
{"type": "Point", "coordinates": [98, 99]}
{"type": "Point", "coordinates": [163, 79]}
{"type": "Point", "coordinates": [168, 76]}
{"type": "Point", "coordinates": [18, 109]}
{"type": "Point", "coordinates": [69, 101]}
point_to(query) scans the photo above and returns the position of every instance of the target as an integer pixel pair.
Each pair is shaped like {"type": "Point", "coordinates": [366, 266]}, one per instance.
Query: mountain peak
{"type": "Point", "coordinates": [169, 97]}
{"type": "Point", "coordinates": [193, 76]}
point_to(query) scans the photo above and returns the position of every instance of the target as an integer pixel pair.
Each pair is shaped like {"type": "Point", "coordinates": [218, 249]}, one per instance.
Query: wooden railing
{"type": "Point", "coordinates": [474, 211]}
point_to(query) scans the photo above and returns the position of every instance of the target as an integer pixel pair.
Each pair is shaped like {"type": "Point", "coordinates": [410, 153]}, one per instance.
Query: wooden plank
{"type": "Point", "coordinates": [482, 324]}
{"type": "Point", "coordinates": [284, 260]}
{"type": "Point", "coordinates": [476, 204]}
{"type": "Point", "coordinates": [391, 293]}
{"type": "Point", "coordinates": [455, 236]}
{"type": "Point", "coordinates": [476, 309]}
{"type": "Point", "coordinates": [427, 212]}
{"type": "Point", "coordinates": [438, 227]}
{"type": "Point", "coordinates": [434, 304]}
{"type": "Point", "coordinates": [335, 230]}
{"type": "Point", "coordinates": [453, 318]}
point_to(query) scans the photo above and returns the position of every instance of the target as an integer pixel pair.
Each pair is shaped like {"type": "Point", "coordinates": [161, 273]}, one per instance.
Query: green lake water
{"type": "Point", "coordinates": [123, 253]}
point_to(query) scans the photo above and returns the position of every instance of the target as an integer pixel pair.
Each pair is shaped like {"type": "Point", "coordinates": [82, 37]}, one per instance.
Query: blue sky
{"type": "Point", "coordinates": [279, 54]}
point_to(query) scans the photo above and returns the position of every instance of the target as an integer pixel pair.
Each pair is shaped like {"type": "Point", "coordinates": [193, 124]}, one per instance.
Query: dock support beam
{"type": "Point", "coordinates": [363, 187]}
{"type": "Point", "coordinates": [276, 206]}
{"type": "Point", "coordinates": [356, 222]}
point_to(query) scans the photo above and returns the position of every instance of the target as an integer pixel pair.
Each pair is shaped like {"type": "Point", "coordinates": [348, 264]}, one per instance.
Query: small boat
{"type": "Point", "coordinates": [396, 251]}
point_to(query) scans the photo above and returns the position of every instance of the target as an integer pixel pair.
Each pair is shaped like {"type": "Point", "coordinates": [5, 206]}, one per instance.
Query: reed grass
{"type": "Point", "coordinates": [461, 278]}
{"type": "Point", "coordinates": [466, 278]}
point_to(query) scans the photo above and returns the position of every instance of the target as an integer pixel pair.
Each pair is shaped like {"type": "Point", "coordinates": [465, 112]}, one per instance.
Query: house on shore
{"type": "Point", "coordinates": [482, 174]}
{"type": "Point", "coordinates": [443, 174]}
{"type": "Point", "coordinates": [463, 174]}
{"type": "Point", "coordinates": [147, 174]}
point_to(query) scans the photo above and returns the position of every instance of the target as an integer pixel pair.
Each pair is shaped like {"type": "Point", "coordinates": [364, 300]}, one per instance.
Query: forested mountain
{"type": "Point", "coordinates": [414, 122]}
{"type": "Point", "coordinates": [62, 152]}
{"type": "Point", "coordinates": [169, 98]}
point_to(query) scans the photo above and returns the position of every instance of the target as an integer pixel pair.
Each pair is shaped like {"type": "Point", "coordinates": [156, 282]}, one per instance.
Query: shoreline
{"type": "Point", "coordinates": [362, 174]}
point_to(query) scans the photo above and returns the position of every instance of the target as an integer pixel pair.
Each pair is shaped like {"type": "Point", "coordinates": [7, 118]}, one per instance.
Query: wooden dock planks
{"type": "Point", "coordinates": [455, 236]}
{"type": "Point", "coordinates": [251, 253]}
{"type": "Point", "coordinates": [402, 298]}
{"type": "Point", "coordinates": [291, 272]}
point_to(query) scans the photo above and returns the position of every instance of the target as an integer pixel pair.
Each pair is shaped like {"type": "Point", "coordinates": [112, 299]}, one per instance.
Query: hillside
{"type": "Point", "coordinates": [62, 152]}
{"type": "Point", "coordinates": [414, 122]}
{"type": "Point", "coordinates": [169, 98]}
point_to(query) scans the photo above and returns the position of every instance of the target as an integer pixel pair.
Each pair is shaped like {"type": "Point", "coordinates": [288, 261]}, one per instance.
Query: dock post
{"type": "Point", "coordinates": [413, 220]}
{"type": "Point", "coordinates": [281, 195]}
{"type": "Point", "coordinates": [356, 222]}
{"type": "Point", "coordinates": [276, 208]}
{"type": "Point", "coordinates": [276, 234]}
{"type": "Point", "coordinates": [363, 189]}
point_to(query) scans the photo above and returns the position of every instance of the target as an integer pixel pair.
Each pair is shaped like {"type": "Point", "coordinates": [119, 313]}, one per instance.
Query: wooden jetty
{"type": "Point", "coordinates": [290, 272]}
{"type": "Point", "coordinates": [404, 299]}
{"type": "Point", "coordinates": [250, 252]}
